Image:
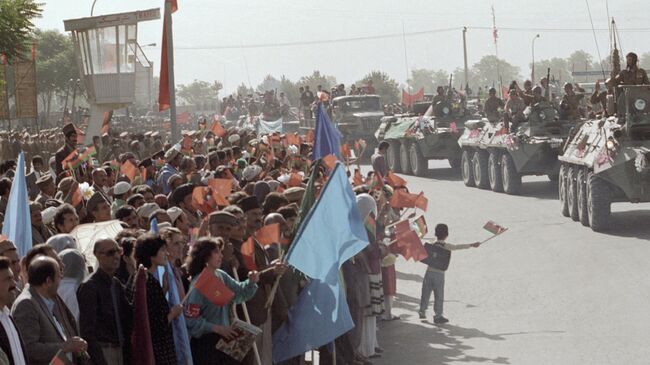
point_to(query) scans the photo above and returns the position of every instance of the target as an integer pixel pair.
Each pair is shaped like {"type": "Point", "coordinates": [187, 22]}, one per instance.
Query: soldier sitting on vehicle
{"type": "Point", "coordinates": [570, 104]}
{"type": "Point", "coordinates": [492, 105]}
{"type": "Point", "coordinates": [440, 96]}
{"type": "Point", "coordinates": [514, 111]}
{"type": "Point", "coordinates": [604, 99]}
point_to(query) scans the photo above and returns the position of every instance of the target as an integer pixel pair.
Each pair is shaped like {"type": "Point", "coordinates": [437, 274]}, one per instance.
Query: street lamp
{"type": "Point", "coordinates": [148, 45]}
{"type": "Point", "coordinates": [532, 69]}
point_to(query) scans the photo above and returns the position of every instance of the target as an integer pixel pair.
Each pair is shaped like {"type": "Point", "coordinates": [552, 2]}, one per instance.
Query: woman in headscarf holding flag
{"type": "Point", "coordinates": [210, 297]}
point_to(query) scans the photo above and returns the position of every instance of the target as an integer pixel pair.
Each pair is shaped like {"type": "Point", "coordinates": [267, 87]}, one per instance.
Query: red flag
{"type": "Point", "coordinates": [213, 288]}
{"type": "Point", "coordinates": [410, 99]}
{"type": "Point", "coordinates": [217, 129]}
{"type": "Point", "coordinates": [268, 234]}
{"type": "Point", "coordinates": [129, 170]}
{"type": "Point", "coordinates": [141, 334]}
{"type": "Point", "coordinates": [163, 86]}
{"type": "Point", "coordinates": [295, 180]}
{"type": "Point", "coordinates": [494, 228]}
{"type": "Point", "coordinates": [453, 127]}
{"type": "Point", "coordinates": [248, 253]}
{"type": "Point", "coordinates": [143, 174]}
{"type": "Point", "coordinates": [293, 139]}
{"type": "Point", "coordinates": [410, 246]}
{"type": "Point", "coordinates": [202, 200]}
{"type": "Point", "coordinates": [221, 188]}
{"type": "Point", "coordinates": [402, 199]}
{"type": "Point", "coordinates": [345, 151]}
{"type": "Point", "coordinates": [395, 181]}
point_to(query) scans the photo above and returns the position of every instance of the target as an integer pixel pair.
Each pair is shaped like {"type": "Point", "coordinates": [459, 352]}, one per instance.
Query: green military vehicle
{"type": "Point", "coordinates": [608, 160]}
{"type": "Point", "coordinates": [428, 133]}
{"type": "Point", "coordinates": [494, 157]}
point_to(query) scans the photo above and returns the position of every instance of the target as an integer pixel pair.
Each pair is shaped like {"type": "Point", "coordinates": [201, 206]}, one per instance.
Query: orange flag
{"type": "Point", "coordinates": [268, 234]}
{"type": "Point", "coordinates": [292, 139]}
{"type": "Point", "coordinates": [248, 254]}
{"type": "Point", "coordinates": [202, 200]}
{"type": "Point", "coordinates": [143, 174]}
{"type": "Point", "coordinates": [345, 151]}
{"type": "Point", "coordinates": [221, 188]}
{"type": "Point", "coordinates": [403, 199]}
{"type": "Point", "coordinates": [395, 181]}
{"type": "Point", "coordinates": [129, 170]}
{"type": "Point", "coordinates": [217, 129]}
{"type": "Point", "coordinates": [163, 86]}
{"type": "Point", "coordinates": [295, 180]}
{"type": "Point", "coordinates": [330, 161]}
{"type": "Point", "coordinates": [409, 245]}
{"type": "Point", "coordinates": [213, 288]}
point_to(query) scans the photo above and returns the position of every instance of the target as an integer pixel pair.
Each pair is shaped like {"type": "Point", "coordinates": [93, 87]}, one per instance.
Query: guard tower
{"type": "Point", "coordinates": [106, 47]}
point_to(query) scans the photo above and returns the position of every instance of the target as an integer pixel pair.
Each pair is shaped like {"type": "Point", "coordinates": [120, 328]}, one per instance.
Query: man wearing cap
{"type": "Point", "coordinates": [294, 194]}
{"type": "Point", "coordinates": [221, 224]}
{"type": "Point", "coordinates": [121, 192]}
{"type": "Point", "coordinates": [144, 213]}
{"type": "Point", "coordinates": [47, 189]}
{"type": "Point", "coordinates": [179, 220]}
{"type": "Point", "coordinates": [173, 159]}
{"type": "Point", "coordinates": [182, 197]}
{"type": "Point", "coordinates": [70, 133]}
{"type": "Point", "coordinates": [40, 232]}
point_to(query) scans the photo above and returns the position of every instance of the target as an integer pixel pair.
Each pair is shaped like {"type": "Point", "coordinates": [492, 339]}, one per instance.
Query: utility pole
{"type": "Point", "coordinates": [170, 71]}
{"type": "Point", "coordinates": [532, 67]}
{"type": "Point", "coordinates": [465, 59]}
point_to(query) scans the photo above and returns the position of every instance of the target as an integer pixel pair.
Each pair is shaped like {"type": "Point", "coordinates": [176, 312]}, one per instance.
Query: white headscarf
{"type": "Point", "coordinates": [366, 204]}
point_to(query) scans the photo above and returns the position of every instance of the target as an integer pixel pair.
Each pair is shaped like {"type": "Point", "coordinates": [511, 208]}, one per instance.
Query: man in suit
{"type": "Point", "coordinates": [34, 175]}
{"type": "Point", "coordinates": [10, 341]}
{"type": "Point", "coordinates": [43, 320]}
{"type": "Point", "coordinates": [70, 133]}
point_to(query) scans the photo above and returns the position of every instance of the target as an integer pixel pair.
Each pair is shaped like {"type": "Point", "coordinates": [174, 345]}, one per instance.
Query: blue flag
{"type": "Point", "coordinates": [319, 316]}
{"type": "Point", "coordinates": [153, 225]}
{"type": "Point", "coordinates": [327, 140]}
{"type": "Point", "coordinates": [17, 225]}
{"type": "Point", "coordinates": [331, 233]}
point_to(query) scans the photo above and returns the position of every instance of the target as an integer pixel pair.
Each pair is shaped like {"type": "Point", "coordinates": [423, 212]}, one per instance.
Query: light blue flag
{"type": "Point", "coordinates": [327, 139]}
{"type": "Point", "coordinates": [318, 317]}
{"type": "Point", "coordinates": [153, 225]}
{"type": "Point", "coordinates": [331, 233]}
{"type": "Point", "coordinates": [17, 225]}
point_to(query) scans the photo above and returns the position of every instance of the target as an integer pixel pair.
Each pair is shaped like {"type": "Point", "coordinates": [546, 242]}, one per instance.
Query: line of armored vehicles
{"type": "Point", "coordinates": [595, 162]}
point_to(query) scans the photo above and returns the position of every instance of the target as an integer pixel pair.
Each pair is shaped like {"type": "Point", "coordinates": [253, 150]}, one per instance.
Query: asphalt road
{"type": "Point", "coordinates": [548, 291]}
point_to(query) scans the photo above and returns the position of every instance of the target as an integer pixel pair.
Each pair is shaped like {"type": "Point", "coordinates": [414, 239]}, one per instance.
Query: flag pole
{"type": "Point", "coordinates": [498, 234]}
{"type": "Point", "coordinates": [170, 70]}
{"type": "Point", "coordinates": [248, 320]}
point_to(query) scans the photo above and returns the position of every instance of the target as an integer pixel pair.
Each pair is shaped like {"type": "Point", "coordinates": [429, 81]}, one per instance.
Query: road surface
{"type": "Point", "coordinates": [548, 291]}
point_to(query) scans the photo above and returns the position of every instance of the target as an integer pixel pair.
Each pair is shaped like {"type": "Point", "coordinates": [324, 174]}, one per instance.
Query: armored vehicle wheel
{"type": "Point", "coordinates": [581, 193]}
{"type": "Point", "coordinates": [510, 176]}
{"type": "Point", "coordinates": [598, 203]}
{"type": "Point", "coordinates": [480, 164]}
{"type": "Point", "coordinates": [466, 170]}
{"type": "Point", "coordinates": [454, 162]}
{"type": "Point", "coordinates": [563, 189]}
{"type": "Point", "coordinates": [419, 164]}
{"type": "Point", "coordinates": [392, 157]}
{"type": "Point", "coordinates": [404, 159]}
{"type": "Point", "coordinates": [572, 193]}
{"type": "Point", "coordinates": [494, 172]}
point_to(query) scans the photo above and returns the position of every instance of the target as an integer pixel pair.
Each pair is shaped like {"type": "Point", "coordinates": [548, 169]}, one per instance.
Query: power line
{"type": "Point", "coordinates": [399, 35]}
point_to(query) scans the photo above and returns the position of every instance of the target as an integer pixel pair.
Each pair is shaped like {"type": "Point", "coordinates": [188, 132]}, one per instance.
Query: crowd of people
{"type": "Point", "coordinates": [81, 303]}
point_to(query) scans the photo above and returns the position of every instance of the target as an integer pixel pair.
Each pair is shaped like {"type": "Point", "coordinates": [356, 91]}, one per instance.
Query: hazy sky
{"type": "Point", "coordinates": [203, 24]}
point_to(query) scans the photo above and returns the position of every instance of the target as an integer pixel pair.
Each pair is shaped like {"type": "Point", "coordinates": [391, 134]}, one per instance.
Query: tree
{"type": "Point", "coordinates": [244, 90]}
{"type": "Point", "coordinates": [484, 72]}
{"type": "Point", "coordinates": [199, 92]}
{"type": "Point", "coordinates": [16, 27]}
{"type": "Point", "coordinates": [560, 70]}
{"type": "Point", "coordinates": [55, 65]}
{"type": "Point", "coordinates": [290, 89]}
{"type": "Point", "coordinates": [269, 83]}
{"type": "Point", "coordinates": [384, 86]}
{"type": "Point", "coordinates": [580, 61]}
{"type": "Point", "coordinates": [428, 79]}
{"type": "Point", "coordinates": [316, 79]}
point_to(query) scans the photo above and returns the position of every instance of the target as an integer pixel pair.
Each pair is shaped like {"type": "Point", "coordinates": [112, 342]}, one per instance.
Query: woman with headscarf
{"type": "Point", "coordinates": [61, 242]}
{"type": "Point", "coordinates": [74, 272]}
{"type": "Point", "coordinates": [372, 253]}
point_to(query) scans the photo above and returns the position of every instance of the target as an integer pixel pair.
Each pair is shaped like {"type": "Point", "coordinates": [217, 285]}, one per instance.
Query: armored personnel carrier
{"type": "Point", "coordinates": [496, 157]}
{"type": "Point", "coordinates": [428, 133]}
{"type": "Point", "coordinates": [608, 160]}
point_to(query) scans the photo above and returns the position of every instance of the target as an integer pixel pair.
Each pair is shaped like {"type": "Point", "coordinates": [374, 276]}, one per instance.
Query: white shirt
{"type": "Point", "coordinates": [12, 335]}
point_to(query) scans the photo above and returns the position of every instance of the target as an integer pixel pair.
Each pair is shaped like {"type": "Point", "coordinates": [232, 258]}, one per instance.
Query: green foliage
{"type": "Point", "coordinates": [244, 90]}
{"type": "Point", "coordinates": [428, 79]}
{"type": "Point", "coordinates": [484, 72]}
{"type": "Point", "coordinates": [269, 83]}
{"type": "Point", "coordinates": [199, 92]}
{"type": "Point", "coordinates": [316, 79]}
{"type": "Point", "coordinates": [16, 27]}
{"type": "Point", "coordinates": [55, 61]}
{"type": "Point", "coordinates": [385, 86]}
{"type": "Point", "coordinates": [560, 70]}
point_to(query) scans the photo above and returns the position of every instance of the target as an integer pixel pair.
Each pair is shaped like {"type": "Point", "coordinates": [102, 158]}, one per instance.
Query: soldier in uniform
{"type": "Point", "coordinates": [70, 133]}
{"type": "Point", "coordinates": [605, 99]}
{"type": "Point", "coordinates": [632, 75]}
{"type": "Point", "coordinates": [570, 104]}
{"type": "Point", "coordinates": [492, 105]}
{"type": "Point", "coordinates": [514, 109]}
{"type": "Point", "coordinates": [439, 97]}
